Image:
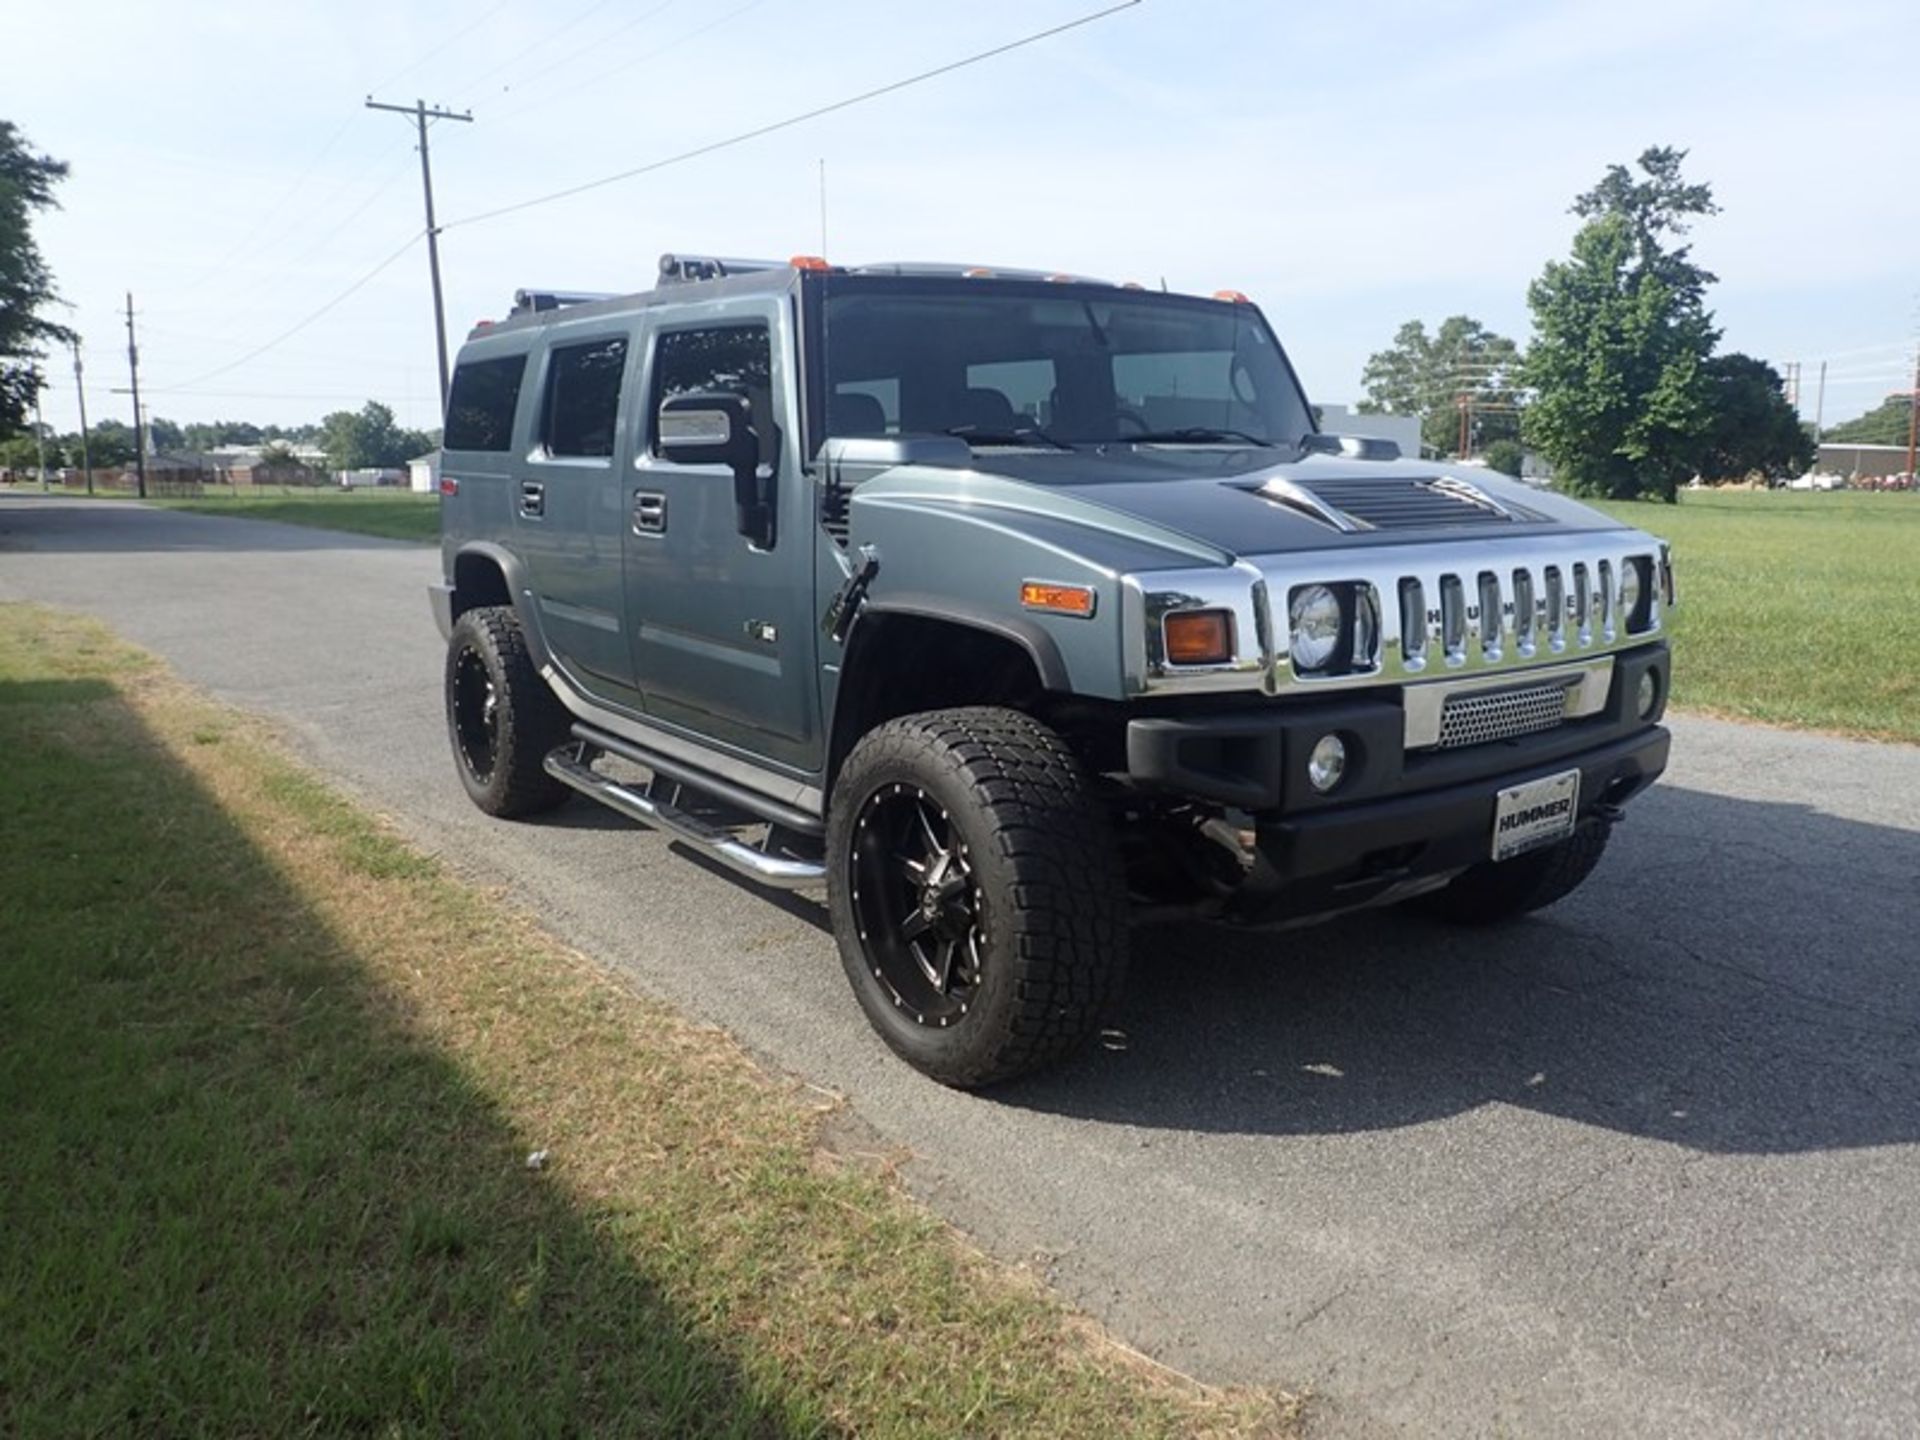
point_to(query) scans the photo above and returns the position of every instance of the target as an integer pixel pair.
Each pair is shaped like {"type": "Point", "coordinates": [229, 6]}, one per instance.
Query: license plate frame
{"type": "Point", "coordinates": [1536, 813]}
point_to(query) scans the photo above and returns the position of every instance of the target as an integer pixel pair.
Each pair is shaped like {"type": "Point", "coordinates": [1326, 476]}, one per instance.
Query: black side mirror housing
{"type": "Point", "coordinates": [716, 428]}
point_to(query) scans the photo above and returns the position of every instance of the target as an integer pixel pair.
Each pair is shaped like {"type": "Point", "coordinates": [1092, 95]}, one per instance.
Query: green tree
{"type": "Point", "coordinates": [26, 284]}
{"type": "Point", "coordinates": [1622, 335]}
{"type": "Point", "coordinates": [1886, 424]}
{"type": "Point", "coordinates": [109, 442]}
{"type": "Point", "coordinates": [1751, 429]}
{"type": "Point", "coordinates": [1427, 375]}
{"type": "Point", "coordinates": [21, 453]}
{"type": "Point", "coordinates": [166, 435]}
{"type": "Point", "coordinates": [365, 438]}
{"type": "Point", "coordinates": [1505, 457]}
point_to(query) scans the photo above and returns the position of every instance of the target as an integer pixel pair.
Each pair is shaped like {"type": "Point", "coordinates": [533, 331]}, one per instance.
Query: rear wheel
{"type": "Point", "coordinates": [501, 716]}
{"type": "Point", "coordinates": [976, 893]}
{"type": "Point", "coordinates": [1495, 891]}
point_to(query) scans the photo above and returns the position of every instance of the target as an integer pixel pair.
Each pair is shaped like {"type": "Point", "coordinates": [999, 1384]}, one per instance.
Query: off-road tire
{"type": "Point", "coordinates": [1491, 892]}
{"type": "Point", "coordinates": [1048, 894]}
{"type": "Point", "coordinates": [528, 721]}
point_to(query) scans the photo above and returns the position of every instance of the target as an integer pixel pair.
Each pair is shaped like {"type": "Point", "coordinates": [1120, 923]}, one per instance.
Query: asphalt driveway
{"type": "Point", "coordinates": [1647, 1164]}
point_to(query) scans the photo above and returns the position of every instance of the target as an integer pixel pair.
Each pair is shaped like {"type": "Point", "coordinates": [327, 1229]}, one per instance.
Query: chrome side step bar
{"type": "Point", "coordinates": [781, 872]}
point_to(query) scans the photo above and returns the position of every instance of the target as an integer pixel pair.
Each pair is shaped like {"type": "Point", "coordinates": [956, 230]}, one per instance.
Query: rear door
{"type": "Point", "coordinates": [722, 630]}
{"type": "Point", "coordinates": [568, 511]}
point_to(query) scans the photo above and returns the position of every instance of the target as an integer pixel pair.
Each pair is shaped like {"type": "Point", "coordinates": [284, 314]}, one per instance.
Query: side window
{"type": "Point", "coordinates": [481, 402]}
{"type": "Point", "coordinates": [583, 398]}
{"type": "Point", "coordinates": [733, 359]}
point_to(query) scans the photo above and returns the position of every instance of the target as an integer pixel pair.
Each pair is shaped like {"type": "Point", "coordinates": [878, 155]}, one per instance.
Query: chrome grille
{"type": "Point", "coordinates": [1500, 714]}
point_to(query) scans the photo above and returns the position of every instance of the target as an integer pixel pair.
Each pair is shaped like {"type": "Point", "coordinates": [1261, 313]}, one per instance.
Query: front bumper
{"type": "Point", "coordinates": [1339, 859]}
{"type": "Point", "coordinates": [1399, 816]}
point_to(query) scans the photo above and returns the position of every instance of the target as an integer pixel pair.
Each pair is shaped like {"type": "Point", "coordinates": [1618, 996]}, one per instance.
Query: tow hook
{"type": "Point", "coordinates": [845, 605]}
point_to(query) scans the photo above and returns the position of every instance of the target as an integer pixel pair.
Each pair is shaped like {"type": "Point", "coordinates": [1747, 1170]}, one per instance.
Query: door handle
{"type": "Point", "coordinates": [533, 498]}
{"type": "Point", "coordinates": [649, 512]}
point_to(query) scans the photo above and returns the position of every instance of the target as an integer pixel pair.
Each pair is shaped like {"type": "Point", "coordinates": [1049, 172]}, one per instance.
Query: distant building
{"type": "Point", "coordinates": [1403, 430]}
{"type": "Point", "coordinates": [1861, 462]}
{"type": "Point", "coordinates": [423, 472]}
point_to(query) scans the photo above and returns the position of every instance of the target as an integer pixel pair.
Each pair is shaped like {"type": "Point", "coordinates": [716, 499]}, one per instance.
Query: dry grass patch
{"type": "Point", "coordinates": [272, 1082]}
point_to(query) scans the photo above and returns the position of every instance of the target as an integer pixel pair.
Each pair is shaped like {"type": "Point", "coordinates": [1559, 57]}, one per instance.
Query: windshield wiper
{"type": "Point", "coordinates": [1019, 435]}
{"type": "Point", "coordinates": [1196, 435]}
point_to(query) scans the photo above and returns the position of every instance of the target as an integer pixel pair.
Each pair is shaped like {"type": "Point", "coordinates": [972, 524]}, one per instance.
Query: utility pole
{"type": "Point", "coordinates": [1820, 406]}
{"type": "Point", "coordinates": [139, 429]}
{"type": "Point", "coordinates": [421, 114]}
{"type": "Point", "coordinates": [39, 428]}
{"type": "Point", "coordinates": [1913, 418]}
{"type": "Point", "coordinates": [80, 390]}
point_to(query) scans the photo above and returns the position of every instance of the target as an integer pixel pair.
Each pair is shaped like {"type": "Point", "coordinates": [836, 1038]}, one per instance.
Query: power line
{"type": "Point", "coordinates": [794, 120]}
{"type": "Point", "coordinates": [580, 83]}
{"type": "Point", "coordinates": [444, 46]}
{"type": "Point", "coordinates": [295, 329]}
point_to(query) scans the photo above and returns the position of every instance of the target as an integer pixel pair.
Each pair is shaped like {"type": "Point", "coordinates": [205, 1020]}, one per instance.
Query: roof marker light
{"type": "Point", "coordinates": [977, 272]}
{"type": "Point", "coordinates": [808, 262]}
{"type": "Point", "coordinates": [1233, 295]}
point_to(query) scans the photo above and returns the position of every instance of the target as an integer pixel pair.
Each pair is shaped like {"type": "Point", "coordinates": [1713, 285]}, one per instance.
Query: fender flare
{"type": "Point", "coordinates": [519, 592]}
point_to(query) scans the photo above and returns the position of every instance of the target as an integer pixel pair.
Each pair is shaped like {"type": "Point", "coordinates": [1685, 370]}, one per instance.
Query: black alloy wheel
{"type": "Point", "coordinates": [917, 904]}
{"type": "Point", "coordinates": [476, 713]}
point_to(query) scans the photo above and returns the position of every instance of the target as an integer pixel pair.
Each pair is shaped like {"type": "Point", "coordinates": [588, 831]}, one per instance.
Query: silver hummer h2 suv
{"type": "Point", "coordinates": [1011, 607]}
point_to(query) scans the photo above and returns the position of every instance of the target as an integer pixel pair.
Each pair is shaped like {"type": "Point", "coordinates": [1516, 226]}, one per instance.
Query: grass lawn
{"type": "Point", "coordinates": [1795, 608]}
{"type": "Point", "coordinates": [392, 514]}
{"type": "Point", "coordinates": [268, 1090]}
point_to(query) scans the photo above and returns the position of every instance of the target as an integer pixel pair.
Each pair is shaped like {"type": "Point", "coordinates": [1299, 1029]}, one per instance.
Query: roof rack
{"type": "Point", "coordinates": [527, 302]}
{"type": "Point", "coordinates": [679, 268]}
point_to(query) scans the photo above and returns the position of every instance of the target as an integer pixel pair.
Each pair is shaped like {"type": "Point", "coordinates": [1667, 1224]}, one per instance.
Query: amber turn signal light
{"type": "Point", "coordinates": [1060, 599]}
{"type": "Point", "coordinates": [1199, 637]}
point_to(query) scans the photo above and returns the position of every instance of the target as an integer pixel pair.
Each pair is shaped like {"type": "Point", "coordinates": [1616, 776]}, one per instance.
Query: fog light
{"type": "Point", "coordinates": [1327, 763]}
{"type": "Point", "coordinates": [1648, 695]}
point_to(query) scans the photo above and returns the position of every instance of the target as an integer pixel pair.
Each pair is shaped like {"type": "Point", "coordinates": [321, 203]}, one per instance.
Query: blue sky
{"type": "Point", "coordinates": [1350, 166]}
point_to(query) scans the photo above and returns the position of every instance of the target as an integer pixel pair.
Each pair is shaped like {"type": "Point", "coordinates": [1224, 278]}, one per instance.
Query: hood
{"type": "Point", "coordinates": [1238, 503]}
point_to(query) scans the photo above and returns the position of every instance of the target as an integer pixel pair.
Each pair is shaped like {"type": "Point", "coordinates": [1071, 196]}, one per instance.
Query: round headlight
{"type": "Point", "coordinates": [1327, 763]}
{"type": "Point", "coordinates": [1315, 617]}
{"type": "Point", "coordinates": [1629, 591]}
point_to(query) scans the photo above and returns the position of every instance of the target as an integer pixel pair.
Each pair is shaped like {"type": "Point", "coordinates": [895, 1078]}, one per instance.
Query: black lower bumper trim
{"type": "Point", "coordinates": [1338, 858]}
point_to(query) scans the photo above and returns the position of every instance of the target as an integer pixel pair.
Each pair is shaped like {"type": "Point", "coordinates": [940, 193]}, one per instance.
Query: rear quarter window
{"type": "Point", "coordinates": [481, 402]}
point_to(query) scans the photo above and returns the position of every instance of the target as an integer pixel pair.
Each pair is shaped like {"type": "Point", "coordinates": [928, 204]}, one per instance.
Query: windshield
{"type": "Point", "coordinates": [1025, 363]}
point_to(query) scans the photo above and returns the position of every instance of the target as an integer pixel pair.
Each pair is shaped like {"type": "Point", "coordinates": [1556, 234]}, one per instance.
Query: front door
{"type": "Point", "coordinates": [721, 629]}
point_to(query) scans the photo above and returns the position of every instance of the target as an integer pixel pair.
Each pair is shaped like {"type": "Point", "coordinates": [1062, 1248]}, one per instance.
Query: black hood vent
{"type": "Point", "coordinates": [1365, 502]}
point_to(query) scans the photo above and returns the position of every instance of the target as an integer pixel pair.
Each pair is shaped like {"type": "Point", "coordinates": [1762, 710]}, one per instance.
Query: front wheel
{"type": "Point", "coordinates": [976, 893]}
{"type": "Point", "coordinates": [1494, 891]}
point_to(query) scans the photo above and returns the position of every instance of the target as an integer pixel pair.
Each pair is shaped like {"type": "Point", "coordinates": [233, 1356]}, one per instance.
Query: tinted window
{"type": "Point", "coordinates": [1099, 367]}
{"type": "Point", "coordinates": [583, 398]}
{"type": "Point", "coordinates": [481, 403]}
{"type": "Point", "coordinates": [732, 359]}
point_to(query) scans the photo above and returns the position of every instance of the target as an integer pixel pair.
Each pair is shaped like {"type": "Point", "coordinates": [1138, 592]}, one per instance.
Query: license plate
{"type": "Point", "coordinates": [1538, 813]}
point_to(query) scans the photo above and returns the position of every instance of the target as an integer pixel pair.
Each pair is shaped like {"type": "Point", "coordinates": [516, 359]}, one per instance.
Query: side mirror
{"type": "Point", "coordinates": [716, 428]}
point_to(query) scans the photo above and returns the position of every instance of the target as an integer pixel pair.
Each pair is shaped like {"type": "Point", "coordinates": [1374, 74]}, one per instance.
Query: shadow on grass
{"type": "Point", "coordinates": [242, 1196]}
